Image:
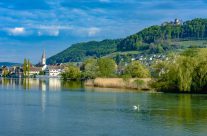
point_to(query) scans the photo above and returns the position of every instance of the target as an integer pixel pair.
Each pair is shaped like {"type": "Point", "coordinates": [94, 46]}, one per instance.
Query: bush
{"type": "Point", "coordinates": [137, 70]}
{"type": "Point", "coordinates": [71, 73]}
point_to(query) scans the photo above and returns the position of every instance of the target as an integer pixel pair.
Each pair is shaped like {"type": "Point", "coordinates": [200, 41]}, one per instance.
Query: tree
{"type": "Point", "coordinates": [90, 68]}
{"type": "Point", "coordinates": [5, 71]}
{"type": "Point", "coordinates": [118, 58]}
{"type": "Point", "coordinates": [107, 67]}
{"type": "Point", "coordinates": [26, 67]}
{"type": "Point", "coordinates": [186, 73]}
{"type": "Point", "coordinates": [71, 73]}
{"type": "Point", "coordinates": [199, 79]}
{"type": "Point", "coordinates": [137, 70]}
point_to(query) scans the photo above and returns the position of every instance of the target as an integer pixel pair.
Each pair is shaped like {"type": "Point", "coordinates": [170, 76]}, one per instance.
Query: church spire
{"type": "Point", "coordinates": [43, 61]}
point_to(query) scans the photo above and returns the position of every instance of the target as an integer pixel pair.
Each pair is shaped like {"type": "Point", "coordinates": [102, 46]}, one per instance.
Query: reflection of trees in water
{"type": "Point", "coordinates": [72, 84]}
{"type": "Point", "coordinates": [26, 84]}
{"type": "Point", "coordinates": [181, 109]}
{"type": "Point", "coordinates": [52, 84]}
{"type": "Point", "coordinates": [5, 81]}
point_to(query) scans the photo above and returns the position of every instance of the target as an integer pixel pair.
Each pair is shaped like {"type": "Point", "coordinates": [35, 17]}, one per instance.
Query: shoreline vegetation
{"type": "Point", "coordinates": [132, 83]}
{"type": "Point", "coordinates": [185, 72]}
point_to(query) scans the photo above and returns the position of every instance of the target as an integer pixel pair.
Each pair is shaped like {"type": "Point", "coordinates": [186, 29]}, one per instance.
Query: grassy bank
{"type": "Point", "coordinates": [132, 83]}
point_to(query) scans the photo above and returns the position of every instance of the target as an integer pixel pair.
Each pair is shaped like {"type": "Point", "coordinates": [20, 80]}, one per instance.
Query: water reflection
{"type": "Point", "coordinates": [184, 110]}
{"type": "Point", "coordinates": [159, 114]}
{"type": "Point", "coordinates": [52, 84]}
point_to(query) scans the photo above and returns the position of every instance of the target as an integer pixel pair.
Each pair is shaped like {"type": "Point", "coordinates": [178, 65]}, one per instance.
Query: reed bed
{"type": "Point", "coordinates": [132, 83]}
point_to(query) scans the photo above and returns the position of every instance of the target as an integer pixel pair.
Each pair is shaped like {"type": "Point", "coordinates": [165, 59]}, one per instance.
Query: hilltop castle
{"type": "Point", "coordinates": [175, 22]}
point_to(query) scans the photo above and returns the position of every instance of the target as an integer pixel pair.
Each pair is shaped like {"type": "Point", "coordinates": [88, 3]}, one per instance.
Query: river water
{"type": "Point", "coordinates": [33, 107]}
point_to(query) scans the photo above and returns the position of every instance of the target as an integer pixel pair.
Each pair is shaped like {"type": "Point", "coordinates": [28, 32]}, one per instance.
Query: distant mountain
{"type": "Point", "coordinates": [154, 39]}
{"type": "Point", "coordinates": [9, 64]}
{"type": "Point", "coordinates": [80, 51]}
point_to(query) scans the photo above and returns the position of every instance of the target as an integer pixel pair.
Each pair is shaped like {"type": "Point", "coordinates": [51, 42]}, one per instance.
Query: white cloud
{"type": "Point", "coordinates": [93, 31]}
{"type": "Point", "coordinates": [16, 31]}
{"type": "Point", "coordinates": [49, 32]}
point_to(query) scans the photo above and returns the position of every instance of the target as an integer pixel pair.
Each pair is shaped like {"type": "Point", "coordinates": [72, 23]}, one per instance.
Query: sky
{"type": "Point", "coordinates": [30, 26]}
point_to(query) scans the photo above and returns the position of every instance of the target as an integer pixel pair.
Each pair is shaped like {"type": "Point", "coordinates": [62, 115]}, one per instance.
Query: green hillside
{"type": "Point", "coordinates": [80, 51]}
{"type": "Point", "coordinates": [170, 36]}
{"type": "Point", "coordinates": [164, 35]}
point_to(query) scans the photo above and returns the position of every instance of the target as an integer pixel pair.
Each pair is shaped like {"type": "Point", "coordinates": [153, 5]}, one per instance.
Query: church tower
{"type": "Point", "coordinates": [43, 61]}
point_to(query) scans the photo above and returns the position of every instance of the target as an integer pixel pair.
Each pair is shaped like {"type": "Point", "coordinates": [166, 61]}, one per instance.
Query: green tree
{"type": "Point", "coordinates": [137, 70]}
{"type": "Point", "coordinates": [71, 73]}
{"type": "Point", "coordinates": [199, 79]}
{"type": "Point", "coordinates": [26, 67]}
{"type": "Point", "coordinates": [185, 73]}
{"type": "Point", "coordinates": [5, 72]}
{"type": "Point", "coordinates": [90, 68]}
{"type": "Point", "coordinates": [107, 67]}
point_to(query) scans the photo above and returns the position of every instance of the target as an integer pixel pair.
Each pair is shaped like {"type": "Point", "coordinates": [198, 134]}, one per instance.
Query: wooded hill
{"type": "Point", "coordinates": [80, 51]}
{"type": "Point", "coordinates": [154, 39]}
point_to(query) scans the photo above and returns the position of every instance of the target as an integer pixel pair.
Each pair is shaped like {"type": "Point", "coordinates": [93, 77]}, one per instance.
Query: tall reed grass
{"type": "Point", "coordinates": [130, 83]}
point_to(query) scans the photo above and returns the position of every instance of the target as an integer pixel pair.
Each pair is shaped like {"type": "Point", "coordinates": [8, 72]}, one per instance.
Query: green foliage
{"type": "Point", "coordinates": [90, 68]}
{"type": "Point", "coordinates": [5, 72]}
{"type": "Point", "coordinates": [190, 52]}
{"type": "Point", "coordinates": [42, 73]}
{"type": "Point", "coordinates": [155, 48]}
{"type": "Point", "coordinates": [140, 83]}
{"type": "Point", "coordinates": [81, 51]}
{"type": "Point", "coordinates": [137, 70]}
{"type": "Point", "coordinates": [107, 67]}
{"type": "Point", "coordinates": [71, 73]}
{"type": "Point", "coordinates": [26, 67]}
{"type": "Point", "coordinates": [199, 82]}
{"type": "Point", "coordinates": [185, 73]}
{"type": "Point", "coordinates": [195, 29]}
{"type": "Point", "coordinates": [103, 67]}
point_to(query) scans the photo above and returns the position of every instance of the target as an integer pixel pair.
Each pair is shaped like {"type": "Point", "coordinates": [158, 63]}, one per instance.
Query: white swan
{"type": "Point", "coordinates": [136, 107]}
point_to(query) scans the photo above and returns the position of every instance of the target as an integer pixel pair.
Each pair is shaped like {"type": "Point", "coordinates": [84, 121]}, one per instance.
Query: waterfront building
{"type": "Point", "coordinates": [35, 71]}
{"type": "Point", "coordinates": [54, 71]}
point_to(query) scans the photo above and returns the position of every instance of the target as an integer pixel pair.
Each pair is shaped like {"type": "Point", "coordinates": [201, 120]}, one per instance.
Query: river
{"type": "Point", "coordinates": [52, 107]}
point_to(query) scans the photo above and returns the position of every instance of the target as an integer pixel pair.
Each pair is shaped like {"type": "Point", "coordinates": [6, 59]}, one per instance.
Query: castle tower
{"type": "Point", "coordinates": [43, 60]}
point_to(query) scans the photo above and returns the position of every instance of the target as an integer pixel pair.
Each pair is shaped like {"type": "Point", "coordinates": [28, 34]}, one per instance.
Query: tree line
{"type": "Point", "coordinates": [106, 68]}
{"type": "Point", "coordinates": [190, 30]}
{"type": "Point", "coordinates": [186, 72]}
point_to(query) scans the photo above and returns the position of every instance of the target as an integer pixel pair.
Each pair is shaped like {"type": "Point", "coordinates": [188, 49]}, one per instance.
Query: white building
{"type": "Point", "coordinates": [50, 71]}
{"type": "Point", "coordinates": [54, 71]}
{"type": "Point", "coordinates": [34, 71]}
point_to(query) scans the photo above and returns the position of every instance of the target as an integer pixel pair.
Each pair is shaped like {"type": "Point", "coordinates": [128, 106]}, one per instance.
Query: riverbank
{"type": "Point", "coordinates": [131, 83]}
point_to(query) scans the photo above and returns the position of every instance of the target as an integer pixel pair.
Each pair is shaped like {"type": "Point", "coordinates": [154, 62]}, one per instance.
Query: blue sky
{"type": "Point", "coordinates": [29, 26]}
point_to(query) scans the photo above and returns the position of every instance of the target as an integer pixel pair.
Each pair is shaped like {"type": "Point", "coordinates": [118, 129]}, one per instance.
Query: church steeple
{"type": "Point", "coordinates": [43, 61]}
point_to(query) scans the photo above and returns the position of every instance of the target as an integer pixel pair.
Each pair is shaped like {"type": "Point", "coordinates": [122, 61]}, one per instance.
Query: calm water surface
{"type": "Point", "coordinates": [55, 108]}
